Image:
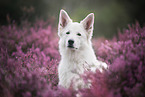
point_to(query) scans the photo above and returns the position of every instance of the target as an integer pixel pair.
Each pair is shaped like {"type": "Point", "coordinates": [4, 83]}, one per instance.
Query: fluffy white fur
{"type": "Point", "coordinates": [80, 57]}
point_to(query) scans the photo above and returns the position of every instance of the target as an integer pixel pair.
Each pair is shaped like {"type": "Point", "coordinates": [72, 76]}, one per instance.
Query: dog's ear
{"type": "Point", "coordinates": [88, 23]}
{"type": "Point", "coordinates": [64, 19]}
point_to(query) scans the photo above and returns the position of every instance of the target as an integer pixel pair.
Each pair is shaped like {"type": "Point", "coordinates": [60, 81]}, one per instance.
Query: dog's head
{"type": "Point", "coordinates": [74, 35]}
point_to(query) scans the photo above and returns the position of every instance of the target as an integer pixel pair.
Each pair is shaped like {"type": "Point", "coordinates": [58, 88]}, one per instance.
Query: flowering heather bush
{"type": "Point", "coordinates": [126, 74]}
{"type": "Point", "coordinates": [29, 58]}
{"type": "Point", "coordinates": [28, 61]}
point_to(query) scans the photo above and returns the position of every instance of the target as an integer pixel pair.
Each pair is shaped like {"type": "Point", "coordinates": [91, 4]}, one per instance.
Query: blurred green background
{"type": "Point", "coordinates": [110, 15]}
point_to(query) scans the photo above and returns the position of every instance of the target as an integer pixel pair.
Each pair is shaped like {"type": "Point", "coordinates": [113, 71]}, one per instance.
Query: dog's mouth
{"type": "Point", "coordinates": [70, 46]}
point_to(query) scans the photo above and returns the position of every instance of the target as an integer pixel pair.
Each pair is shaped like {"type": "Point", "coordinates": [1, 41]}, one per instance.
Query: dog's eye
{"type": "Point", "coordinates": [79, 34]}
{"type": "Point", "coordinates": [67, 32]}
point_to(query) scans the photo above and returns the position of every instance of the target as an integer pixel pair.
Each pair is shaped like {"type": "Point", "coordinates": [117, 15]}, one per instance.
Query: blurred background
{"type": "Point", "coordinates": [110, 15]}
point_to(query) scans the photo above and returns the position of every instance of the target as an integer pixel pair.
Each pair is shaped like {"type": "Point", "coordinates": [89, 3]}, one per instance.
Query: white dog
{"type": "Point", "coordinates": [75, 47]}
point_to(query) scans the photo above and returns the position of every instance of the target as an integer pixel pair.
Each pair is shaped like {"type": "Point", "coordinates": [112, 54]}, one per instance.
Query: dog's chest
{"type": "Point", "coordinates": [75, 66]}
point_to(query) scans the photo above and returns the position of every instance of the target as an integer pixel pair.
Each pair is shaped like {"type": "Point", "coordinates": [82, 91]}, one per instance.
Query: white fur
{"type": "Point", "coordinates": [74, 61]}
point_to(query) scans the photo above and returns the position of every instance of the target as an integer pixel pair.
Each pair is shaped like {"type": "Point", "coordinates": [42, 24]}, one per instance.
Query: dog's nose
{"type": "Point", "coordinates": [71, 42]}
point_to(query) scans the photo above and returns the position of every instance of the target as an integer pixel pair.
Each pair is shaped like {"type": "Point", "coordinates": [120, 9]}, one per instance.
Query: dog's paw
{"type": "Point", "coordinates": [104, 65]}
{"type": "Point", "coordinates": [101, 65]}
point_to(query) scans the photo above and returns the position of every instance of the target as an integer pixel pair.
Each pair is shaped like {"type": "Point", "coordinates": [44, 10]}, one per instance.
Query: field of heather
{"type": "Point", "coordinates": [29, 59]}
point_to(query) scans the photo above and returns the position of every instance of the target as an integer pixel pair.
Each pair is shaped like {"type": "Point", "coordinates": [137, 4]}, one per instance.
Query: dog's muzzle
{"type": "Point", "coordinates": [70, 43]}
